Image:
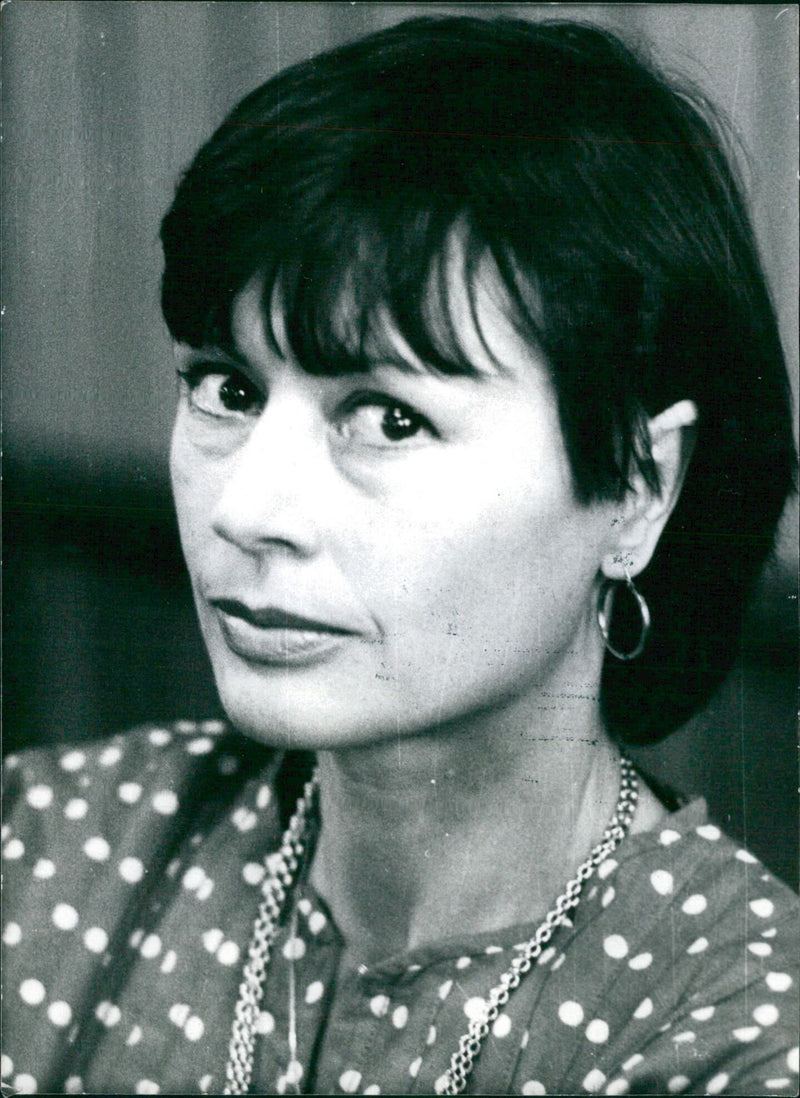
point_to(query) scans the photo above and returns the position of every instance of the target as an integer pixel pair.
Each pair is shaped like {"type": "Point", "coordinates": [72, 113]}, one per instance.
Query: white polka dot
{"type": "Point", "coordinates": [709, 831]}
{"type": "Point", "coordinates": [746, 856]}
{"type": "Point", "coordinates": [159, 737]}
{"type": "Point", "coordinates": [59, 1013]}
{"type": "Point", "coordinates": [445, 989]}
{"type": "Point", "coordinates": [108, 1013]}
{"type": "Point", "coordinates": [593, 1083]}
{"type": "Point", "coordinates": [110, 756]}
{"type": "Point", "coordinates": [441, 1084]}
{"type": "Point", "coordinates": [227, 765]}
{"type": "Point", "coordinates": [73, 1084]}
{"type": "Point", "coordinates": [373, 1088]}
{"type": "Point", "coordinates": [677, 1083]}
{"type": "Point", "coordinates": [76, 808]}
{"type": "Point", "coordinates": [767, 1014]}
{"type": "Point", "coordinates": [32, 992]}
{"type": "Point", "coordinates": [253, 873]}
{"type": "Point", "coordinates": [606, 868]}
{"type": "Point", "coordinates": [760, 949]}
{"type": "Point", "coordinates": [644, 1009]}
{"type": "Point", "coordinates": [615, 946]}
{"type": "Point", "coordinates": [129, 792]}
{"type": "Point", "coordinates": [64, 917]}
{"type": "Point", "coordinates": [571, 1013]}
{"type": "Point", "coordinates": [147, 1086]}
{"type": "Point", "coordinates": [546, 956]}
{"type": "Point", "coordinates": [502, 1027]}
{"type": "Point", "coordinates": [200, 746]}
{"type": "Point", "coordinates": [135, 939]}
{"type": "Point", "coordinates": [205, 889]}
{"type": "Point", "coordinates": [316, 922]}
{"type": "Point", "coordinates": [165, 802]}
{"type": "Point", "coordinates": [131, 870]}
{"type": "Point", "coordinates": [205, 1083]}
{"type": "Point", "coordinates": [777, 1084]}
{"type": "Point", "coordinates": [228, 953]}
{"type": "Point", "coordinates": [6, 1065]}
{"type": "Point", "coordinates": [169, 962]}
{"type": "Point", "coordinates": [746, 1034]}
{"type": "Point", "coordinates": [684, 1038]}
{"type": "Point", "coordinates": [243, 819]}
{"type": "Point", "coordinates": [618, 1086]}
{"type": "Point", "coordinates": [294, 949]}
{"type": "Point", "coordinates": [213, 939]}
{"type": "Point", "coordinates": [14, 849]}
{"type": "Point", "coordinates": [263, 796]}
{"type": "Point", "coordinates": [533, 1086]}
{"type": "Point", "coordinates": [763, 908]}
{"type": "Point", "coordinates": [464, 962]}
{"type": "Point", "coordinates": [179, 1013]}
{"type": "Point", "coordinates": [431, 1038]}
{"type": "Point", "coordinates": [194, 1028]}
{"type": "Point", "coordinates": [400, 1017]}
{"type": "Point", "coordinates": [39, 796]}
{"type": "Point", "coordinates": [25, 1083]}
{"type": "Point", "coordinates": [778, 981]}
{"type": "Point", "coordinates": [493, 949]}
{"type": "Point", "coordinates": [314, 992]}
{"type": "Point", "coordinates": [379, 1005]}
{"type": "Point", "coordinates": [95, 939]}
{"type": "Point", "coordinates": [193, 878]}
{"type": "Point", "coordinates": [633, 1062]}
{"type": "Point", "coordinates": [699, 945]}
{"type": "Point", "coordinates": [476, 1009]}
{"type": "Point", "coordinates": [134, 1037]}
{"type": "Point", "coordinates": [669, 836]}
{"type": "Point", "coordinates": [662, 882]}
{"type": "Point", "coordinates": [608, 896]}
{"type": "Point", "coordinates": [349, 1081]}
{"type": "Point", "coordinates": [558, 962]}
{"type": "Point", "coordinates": [213, 725]}
{"type": "Point", "coordinates": [525, 1038]}
{"type": "Point", "coordinates": [44, 869]}
{"type": "Point", "coordinates": [414, 1066]}
{"type": "Point", "coordinates": [265, 1024]}
{"type": "Point", "coordinates": [702, 1014]}
{"type": "Point", "coordinates": [151, 946]}
{"type": "Point", "coordinates": [695, 905]}
{"type": "Point", "coordinates": [770, 932]}
{"type": "Point", "coordinates": [718, 1083]}
{"type": "Point", "coordinates": [793, 1059]}
{"type": "Point", "coordinates": [96, 848]}
{"type": "Point", "coordinates": [73, 760]}
{"type": "Point", "coordinates": [640, 961]}
{"type": "Point", "coordinates": [294, 1072]}
{"type": "Point", "coordinates": [597, 1031]}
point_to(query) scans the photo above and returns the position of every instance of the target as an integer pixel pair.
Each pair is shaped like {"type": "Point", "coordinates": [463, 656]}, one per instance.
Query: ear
{"type": "Point", "coordinates": [644, 513]}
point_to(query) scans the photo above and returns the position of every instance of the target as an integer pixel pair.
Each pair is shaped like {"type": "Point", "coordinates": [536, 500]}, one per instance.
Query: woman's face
{"type": "Point", "coordinates": [380, 554]}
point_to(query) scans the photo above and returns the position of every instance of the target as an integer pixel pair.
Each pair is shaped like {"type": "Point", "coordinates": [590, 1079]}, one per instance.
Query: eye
{"type": "Point", "coordinates": [379, 421]}
{"type": "Point", "coordinates": [221, 393]}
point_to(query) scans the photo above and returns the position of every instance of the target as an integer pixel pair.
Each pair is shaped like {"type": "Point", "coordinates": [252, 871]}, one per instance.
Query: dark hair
{"type": "Point", "coordinates": [611, 210]}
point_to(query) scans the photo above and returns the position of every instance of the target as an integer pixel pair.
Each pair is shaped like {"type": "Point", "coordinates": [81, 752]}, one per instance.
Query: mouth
{"type": "Point", "coordinates": [271, 636]}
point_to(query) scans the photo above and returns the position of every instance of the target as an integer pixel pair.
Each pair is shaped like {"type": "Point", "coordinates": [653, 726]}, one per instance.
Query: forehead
{"type": "Point", "coordinates": [467, 316]}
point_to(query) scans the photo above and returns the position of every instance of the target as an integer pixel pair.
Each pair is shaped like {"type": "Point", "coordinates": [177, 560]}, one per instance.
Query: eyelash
{"type": "Point", "coordinates": [406, 418]}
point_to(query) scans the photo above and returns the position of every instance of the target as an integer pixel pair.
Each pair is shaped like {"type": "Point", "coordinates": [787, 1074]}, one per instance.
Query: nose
{"type": "Point", "coordinates": [274, 485]}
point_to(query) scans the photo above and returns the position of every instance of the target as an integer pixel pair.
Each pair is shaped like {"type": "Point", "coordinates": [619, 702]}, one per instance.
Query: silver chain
{"type": "Point", "coordinates": [277, 886]}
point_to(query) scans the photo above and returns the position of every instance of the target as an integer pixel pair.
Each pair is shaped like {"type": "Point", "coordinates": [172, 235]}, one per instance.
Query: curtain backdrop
{"type": "Point", "coordinates": [104, 104]}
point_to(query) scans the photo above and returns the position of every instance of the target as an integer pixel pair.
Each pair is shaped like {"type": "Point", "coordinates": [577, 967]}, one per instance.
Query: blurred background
{"type": "Point", "coordinates": [104, 105]}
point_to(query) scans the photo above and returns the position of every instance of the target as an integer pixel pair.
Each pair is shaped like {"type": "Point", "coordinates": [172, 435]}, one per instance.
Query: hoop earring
{"type": "Point", "coordinates": [605, 604]}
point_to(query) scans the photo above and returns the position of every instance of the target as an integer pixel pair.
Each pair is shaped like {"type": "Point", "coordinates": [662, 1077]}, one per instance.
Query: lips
{"type": "Point", "coordinates": [272, 636]}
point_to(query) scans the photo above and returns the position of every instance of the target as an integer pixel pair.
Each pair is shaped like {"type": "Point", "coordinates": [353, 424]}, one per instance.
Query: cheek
{"type": "Point", "coordinates": [194, 490]}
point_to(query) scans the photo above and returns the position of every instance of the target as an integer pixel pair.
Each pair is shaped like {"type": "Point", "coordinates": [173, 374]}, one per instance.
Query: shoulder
{"type": "Point", "coordinates": [705, 942]}
{"type": "Point", "coordinates": [138, 790]}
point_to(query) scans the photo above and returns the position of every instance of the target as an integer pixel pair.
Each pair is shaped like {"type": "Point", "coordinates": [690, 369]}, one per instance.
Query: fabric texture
{"type": "Point", "coordinates": [132, 872]}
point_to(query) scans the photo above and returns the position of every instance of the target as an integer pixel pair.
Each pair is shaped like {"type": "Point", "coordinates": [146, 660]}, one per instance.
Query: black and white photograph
{"type": "Point", "coordinates": [400, 528]}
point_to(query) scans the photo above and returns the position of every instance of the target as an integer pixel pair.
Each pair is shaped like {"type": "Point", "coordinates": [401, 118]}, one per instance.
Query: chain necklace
{"type": "Point", "coordinates": [277, 886]}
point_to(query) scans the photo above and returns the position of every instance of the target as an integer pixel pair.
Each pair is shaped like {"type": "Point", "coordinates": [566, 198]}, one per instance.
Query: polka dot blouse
{"type": "Point", "coordinates": [132, 872]}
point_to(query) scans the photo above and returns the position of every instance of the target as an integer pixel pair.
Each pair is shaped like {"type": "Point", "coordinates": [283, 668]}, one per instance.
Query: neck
{"type": "Point", "coordinates": [464, 830]}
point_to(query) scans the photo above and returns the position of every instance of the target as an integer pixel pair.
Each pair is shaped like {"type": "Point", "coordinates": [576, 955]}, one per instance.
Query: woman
{"type": "Point", "coordinates": [483, 435]}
